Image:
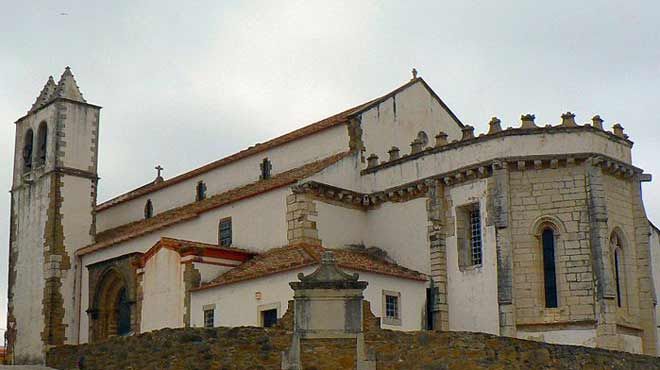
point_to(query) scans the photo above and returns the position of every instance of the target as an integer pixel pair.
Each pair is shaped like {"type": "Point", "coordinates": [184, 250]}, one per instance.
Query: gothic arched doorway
{"type": "Point", "coordinates": [112, 313]}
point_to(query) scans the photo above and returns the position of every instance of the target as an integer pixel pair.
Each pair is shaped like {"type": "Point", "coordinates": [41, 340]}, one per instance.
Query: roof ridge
{"type": "Point", "coordinates": [328, 122]}
{"type": "Point", "coordinates": [188, 211]}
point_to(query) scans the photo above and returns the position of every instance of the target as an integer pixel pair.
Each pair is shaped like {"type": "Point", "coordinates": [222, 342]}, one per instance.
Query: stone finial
{"type": "Point", "coordinates": [618, 131]}
{"type": "Point", "coordinates": [327, 274]}
{"type": "Point", "coordinates": [394, 153]}
{"type": "Point", "coordinates": [441, 139]}
{"type": "Point", "coordinates": [416, 146]}
{"type": "Point", "coordinates": [597, 122]}
{"type": "Point", "coordinates": [372, 160]}
{"type": "Point", "coordinates": [68, 88]}
{"type": "Point", "coordinates": [414, 73]}
{"type": "Point", "coordinates": [494, 125]}
{"type": "Point", "coordinates": [528, 121]}
{"type": "Point", "coordinates": [568, 120]}
{"type": "Point", "coordinates": [468, 132]}
{"type": "Point", "coordinates": [45, 95]}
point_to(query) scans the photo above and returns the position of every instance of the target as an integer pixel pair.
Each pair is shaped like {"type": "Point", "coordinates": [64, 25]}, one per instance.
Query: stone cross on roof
{"type": "Point", "coordinates": [159, 178]}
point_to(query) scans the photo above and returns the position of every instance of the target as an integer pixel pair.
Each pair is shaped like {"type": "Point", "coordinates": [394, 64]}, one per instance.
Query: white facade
{"type": "Point", "coordinates": [240, 304]}
{"type": "Point", "coordinates": [322, 189]}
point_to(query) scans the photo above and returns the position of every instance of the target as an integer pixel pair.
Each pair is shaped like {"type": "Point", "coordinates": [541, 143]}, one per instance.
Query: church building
{"type": "Point", "coordinates": [534, 231]}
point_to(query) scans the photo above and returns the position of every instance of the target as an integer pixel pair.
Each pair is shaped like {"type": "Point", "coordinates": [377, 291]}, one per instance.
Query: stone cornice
{"type": "Point", "coordinates": [419, 188]}
{"type": "Point", "coordinates": [499, 134]}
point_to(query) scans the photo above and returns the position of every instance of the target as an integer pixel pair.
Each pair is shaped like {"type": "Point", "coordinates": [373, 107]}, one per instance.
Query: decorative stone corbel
{"type": "Point", "coordinates": [394, 153]}
{"type": "Point", "coordinates": [372, 160]}
{"type": "Point", "coordinates": [494, 125]}
{"type": "Point", "coordinates": [597, 122]}
{"type": "Point", "coordinates": [440, 139]}
{"type": "Point", "coordinates": [618, 131]}
{"type": "Point", "coordinates": [528, 121]}
{"type": "Point", "coordinates": [468, 133]}
{"type": "Point", "coordinates": [416, 146]}
{"type": "Point", "coordinates": [568, 120]}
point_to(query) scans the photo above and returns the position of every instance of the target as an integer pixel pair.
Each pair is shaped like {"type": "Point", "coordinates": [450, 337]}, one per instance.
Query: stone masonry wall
{"type": "Point", "coordinates": [260, 348]}
{"type": "Point", "coordinates": [553, 195]}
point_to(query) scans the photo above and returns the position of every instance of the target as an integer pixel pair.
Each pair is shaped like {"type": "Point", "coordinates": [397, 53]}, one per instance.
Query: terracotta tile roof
{"type": "Point", "coordinates": [337, 119]}
{"type": "Point", "coordinates": [301, 255]}
{"type": "Point", "coordinates": [187, 212]}
{"type": "Point", "coordinates": [189, 247]}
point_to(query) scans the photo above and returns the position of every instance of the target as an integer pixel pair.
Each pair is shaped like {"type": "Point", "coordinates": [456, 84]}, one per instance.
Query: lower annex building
{"type": "Point", "coordinates": [533, 231]}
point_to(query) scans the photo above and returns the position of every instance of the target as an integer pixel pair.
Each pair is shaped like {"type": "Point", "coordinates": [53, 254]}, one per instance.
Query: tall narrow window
{"type": "Point", "coordinates": [475, 235]}
{"type": "Point", "coordinates": [209, 316]}
{"type": "Point", "coordinates": [469, 239]}
{"type": "Point", "coordinates": [265, 166]}
{"type": "Point", "coordinates": [619, 269]}
{"type": "Point", "coordinates": [148, 209]}
{"type": "Point", "coordinates": [549, 272]}
{"type": "Point", "coordinates": [43, 142]}
{"type": "Point", "coordinates": [224, 233]}
{"type": "Point", "coordinates": [27, 150]}
{"type": "Point", "coordinates": [200, 191]}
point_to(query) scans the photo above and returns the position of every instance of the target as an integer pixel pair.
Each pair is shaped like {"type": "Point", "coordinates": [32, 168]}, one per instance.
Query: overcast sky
{"type": "Point", "coordinates": [185, 83]}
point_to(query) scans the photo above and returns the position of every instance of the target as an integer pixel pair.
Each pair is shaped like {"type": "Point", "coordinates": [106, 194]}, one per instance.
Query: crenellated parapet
{"type": "Point", "coordinates": [520, 140]}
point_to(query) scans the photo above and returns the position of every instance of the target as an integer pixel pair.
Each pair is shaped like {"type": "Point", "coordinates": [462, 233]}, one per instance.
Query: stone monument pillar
{"type": "Point", "coordinates": [328, 314]}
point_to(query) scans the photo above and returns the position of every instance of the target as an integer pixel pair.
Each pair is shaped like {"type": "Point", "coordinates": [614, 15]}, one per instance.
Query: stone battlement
{"type": "Point", "coordinates": [527, 128]}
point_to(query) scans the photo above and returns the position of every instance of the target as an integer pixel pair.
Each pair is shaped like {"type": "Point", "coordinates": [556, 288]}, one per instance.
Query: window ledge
{"type": "Point", "coordinates": [476, 268]}
{"type": "Point", "coordinates": [391, 321]}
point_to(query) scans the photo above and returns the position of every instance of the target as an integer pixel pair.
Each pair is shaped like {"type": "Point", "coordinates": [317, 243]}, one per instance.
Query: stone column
{"type": "Point", "coordinates": [647, 298]}
{"type": "Point", "coordinates": [438, 252]}
{"type": "Point", "coordinates": [498, 204]}
{"type": "Point", "coordinates": [606, 332]}
{"type": "Point", "coordinates": [327, 312]}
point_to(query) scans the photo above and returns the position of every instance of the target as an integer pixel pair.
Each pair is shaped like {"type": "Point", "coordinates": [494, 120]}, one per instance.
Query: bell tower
{"type": "Point", "coordinates": [53, 196]}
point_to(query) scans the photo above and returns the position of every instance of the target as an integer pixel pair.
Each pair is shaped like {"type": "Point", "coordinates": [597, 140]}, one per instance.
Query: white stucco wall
{"type": "Point", "coordinates": [30, 207]}
{"type": "Point", "coordinates": [258, 224]}
{"type": "Point", "coordinates": [401, 230]}
{"type": "Point", "coordinates": [76, 211]}
{"type": "Point", "coordinates": [284, 157]}
{"type": "Point", "coordinates": [340, 226]}
{"type": "Point", "coordinates": [163, 291]}
{"type": "Point", "coordinates": [397, 121]}
{"type": "Point", "coordinates": [472, 293]}
{"type": "Point", "coordinates": [236, 304]}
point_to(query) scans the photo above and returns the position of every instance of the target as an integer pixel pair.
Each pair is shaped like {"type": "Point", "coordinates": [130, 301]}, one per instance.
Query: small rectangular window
{"type": "Point", "coordinates": [269, 317]}
{"type": "Point", "coordinates": [209, 318]}
{"type": "Point", "coordinates": [391, 308]}
{"type": "Point", "coordinates": [224, 233]}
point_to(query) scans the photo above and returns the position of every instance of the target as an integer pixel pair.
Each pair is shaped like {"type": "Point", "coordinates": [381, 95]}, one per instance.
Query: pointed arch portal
{"type": "Point", "coordinates": [112, 312]}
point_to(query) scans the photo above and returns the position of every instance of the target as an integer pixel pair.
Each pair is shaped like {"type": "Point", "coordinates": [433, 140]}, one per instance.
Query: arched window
{"type": "Point", "coordinates": [27, 150]}
{"type": "Point", "coordinates": [200, 191]}
{"type": "Point", "coordinates": [148, 209]}
{"type": "Point", "coordinates": [549, 267]}
{"type": "Point", "coordinates": [42, 142]}
{"type": "Point", "coordinates": [616, 247]}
